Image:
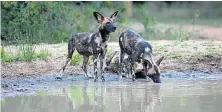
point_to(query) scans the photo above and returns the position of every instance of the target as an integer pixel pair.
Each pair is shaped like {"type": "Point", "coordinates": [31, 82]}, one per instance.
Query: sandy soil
{"type": "Point", "coordinates": [179, 56]}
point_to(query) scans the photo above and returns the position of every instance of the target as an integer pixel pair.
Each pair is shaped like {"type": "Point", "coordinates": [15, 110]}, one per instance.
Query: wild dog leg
{"type": "Point", "coordinates": [133, 71]}
{"type": "Point", "coordinates": [132, 68]}
{"type": "Point", "coordinates": [102, 58]}
{"type": "Point", "coordinates": [122, 54]}
{"type": "Point", "coordinates": [71, 49]}
{"type": "Point", "coordinates": [95, 61]}
{"type": "Point", "coordinates": [84, 64]}
{"type": "Point", "coordinates": [67, 61]}
{"type": "Point", "coordinates": [61, 71]}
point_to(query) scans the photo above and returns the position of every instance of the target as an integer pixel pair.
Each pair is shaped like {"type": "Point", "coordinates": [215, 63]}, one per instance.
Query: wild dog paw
{"type": "Point", "coordinates": [59, 78]}
{"type": "Point", "coordinates": [89, 76]}
{"type": "Point", "coordinates": [103, 79]}
{"type": "Point", "coordinates": [95, 80]}
{"type": "Point", "coordinates": [133, 78]}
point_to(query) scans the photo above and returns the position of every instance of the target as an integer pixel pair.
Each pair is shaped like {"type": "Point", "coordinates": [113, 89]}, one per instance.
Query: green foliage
{"type": "Point", "coordinates": [5, 57]}
{"type": "Point", "coordinates": [109, 51]}
{"type": "Point", "coordinates": [43, 53]}
{"type": "Point", "coordinates": [76, 59]}
{"type": "Point", "coordinates": [177, 55]}
{"type": "Point", "coordinates": [50, 22]}
{"type": "Point", "coordinates": [54, 22]}
{"type": "Point", "coordinates": [27, 23]}
{"type": "Point", "coordinates": [39, 21]}
{"type": "Point", "coordinates": [25, 52]}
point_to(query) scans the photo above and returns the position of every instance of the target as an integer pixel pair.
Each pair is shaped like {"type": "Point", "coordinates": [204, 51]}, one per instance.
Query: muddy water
{"type": "Point", "coordinates": [183, 92]}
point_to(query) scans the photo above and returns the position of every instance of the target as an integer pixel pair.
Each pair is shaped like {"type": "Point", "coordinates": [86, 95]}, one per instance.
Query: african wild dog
{"type": "Point", "coordinates": [138, 50]}
{"type": "Point", "coordinates": [112, 62]}
{"type": "Point", "coordinates": [94, 44]}
{"type": "Point", "coordinates": [113, 66]}
{"type": "Point", "coordinates": [152, 71]}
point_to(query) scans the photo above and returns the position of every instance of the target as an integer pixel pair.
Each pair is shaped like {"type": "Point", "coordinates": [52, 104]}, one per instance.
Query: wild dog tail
{"type": "Point", "coordinates": [71, 48]}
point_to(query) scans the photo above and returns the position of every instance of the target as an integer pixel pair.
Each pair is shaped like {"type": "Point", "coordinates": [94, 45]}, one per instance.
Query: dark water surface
{"type": "Point", "coordinates": [178, 92]}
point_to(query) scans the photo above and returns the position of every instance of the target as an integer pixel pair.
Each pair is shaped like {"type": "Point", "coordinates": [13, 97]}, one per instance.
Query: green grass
{"type": "Point", "coordinates": [176, 55]}
{"type": "Point", "coordinates": [25, 52]}
{"type": "Point", "coordinates": [43, 53]}
{"type": "Point", "coordinates": [210, 51]}
{"type": "Point", "coordinates": [109, 51]}
{"type": "Point", "coordinates": [5, 57]}
{"type": "Point", "coordinates": [76, 59]}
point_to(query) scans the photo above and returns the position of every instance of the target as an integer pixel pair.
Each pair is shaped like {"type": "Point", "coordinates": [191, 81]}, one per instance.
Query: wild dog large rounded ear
{"type": "Point", "coordinates": [99, 17]}
{"type": "Point", "coordinates": [146, 66]}
{"type": "Point", "coordinates": [159, 61]}
{"type": "Point", "coordinates": [114, 15]}
{"type": "Point", "coordinates": [146, 63]}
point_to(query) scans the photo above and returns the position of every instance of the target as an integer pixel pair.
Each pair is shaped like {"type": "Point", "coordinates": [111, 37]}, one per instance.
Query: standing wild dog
{"type": "Point", "coordinates": [94, 44]}
{"type": "Point", "coordinates": [138, 50]}
{"type": "Point", "coordinates": [113, 66]}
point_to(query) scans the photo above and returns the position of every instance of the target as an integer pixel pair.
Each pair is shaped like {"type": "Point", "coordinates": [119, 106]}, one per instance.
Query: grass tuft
{"type": "Point", "coordinates": [5, 57]}
{"type": "Point", "coordinates": [23, 52]}
{"type": "Point", "coordinates": [109, 51]}
{"type": "Point", "coordinates": [76, 59]}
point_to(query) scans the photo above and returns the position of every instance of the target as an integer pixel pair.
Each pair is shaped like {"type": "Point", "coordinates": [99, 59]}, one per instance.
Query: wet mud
{"type": "Point", "coordinates": [23, 85]}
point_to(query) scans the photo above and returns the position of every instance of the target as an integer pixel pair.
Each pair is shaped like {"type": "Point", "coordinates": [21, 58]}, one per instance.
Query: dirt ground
{"type": "Point", "coordinates": [179, 56]}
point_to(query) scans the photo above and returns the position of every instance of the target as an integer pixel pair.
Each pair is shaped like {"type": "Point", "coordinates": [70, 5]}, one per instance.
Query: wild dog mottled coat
{"type": "Point", "coordinates": [94, 44]}
{"type": "Point", "coordinates": [138, 50]}
{"type": "Point", "coordinates": [113, 66]}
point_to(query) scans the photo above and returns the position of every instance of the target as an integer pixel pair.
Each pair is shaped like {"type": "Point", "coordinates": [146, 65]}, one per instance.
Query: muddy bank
{"type": "Point", "coordinates": [179, 56]}
{"type": "Point", "coordinates": [18, 85]}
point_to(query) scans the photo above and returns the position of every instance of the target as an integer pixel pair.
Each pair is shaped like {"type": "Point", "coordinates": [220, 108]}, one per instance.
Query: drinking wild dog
{"type": "Point", "coordinates": [93, 44]}
{"type": "Point", "coordinates": [138, 50]}
{"type": "Point", "coordinates": [113, 66]}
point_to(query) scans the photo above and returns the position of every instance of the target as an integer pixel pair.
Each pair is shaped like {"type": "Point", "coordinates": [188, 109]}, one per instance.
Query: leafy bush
{"type": "Point", "coordinates": [54, 22]}
{"type": "Point", "coordinates": [38, 21]}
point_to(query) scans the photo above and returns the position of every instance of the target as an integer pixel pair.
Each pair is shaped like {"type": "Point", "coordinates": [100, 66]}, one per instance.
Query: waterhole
{"type": "Point", "coordinates": [186, 91]}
